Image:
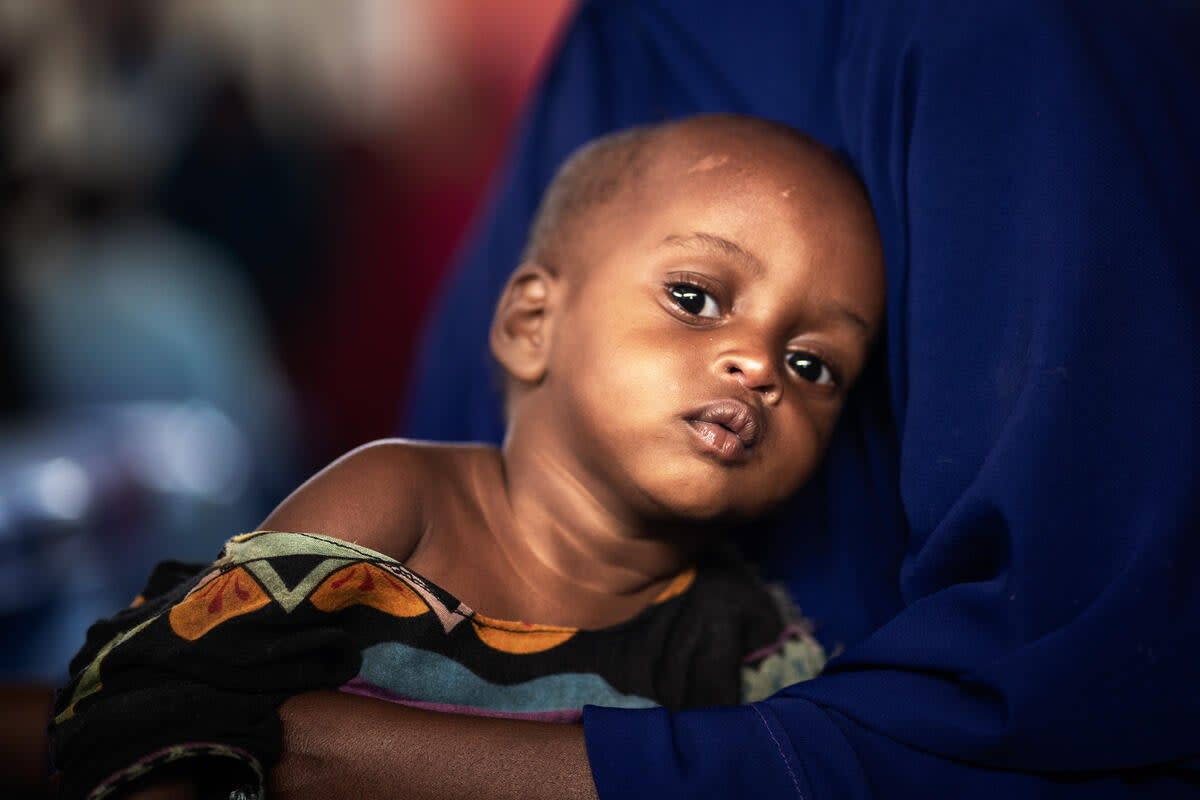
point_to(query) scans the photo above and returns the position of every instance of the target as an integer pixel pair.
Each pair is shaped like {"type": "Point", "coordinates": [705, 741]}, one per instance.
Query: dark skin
{"type": "Point", "coordinates": [744, 273]}
{"type": "Point", "coordinates": [436, 755]}
{"type": "Point", "coordinates": [23, 746]}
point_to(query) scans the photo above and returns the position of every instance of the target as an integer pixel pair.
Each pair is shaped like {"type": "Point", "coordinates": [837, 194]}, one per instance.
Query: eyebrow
{"type": "Point", "coordinates": [717, 244]}
{"type": "Point", "coordinates": [850, 315]}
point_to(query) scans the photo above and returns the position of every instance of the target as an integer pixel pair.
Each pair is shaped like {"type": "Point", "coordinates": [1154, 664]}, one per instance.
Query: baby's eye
{"type": "Point", "coordinates": [809, 367]}
{"type": "Point", "coordinates": [694, 300]}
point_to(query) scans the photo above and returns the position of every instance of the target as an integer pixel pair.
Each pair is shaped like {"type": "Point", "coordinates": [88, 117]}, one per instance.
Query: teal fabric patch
{"type": "Point", "coordinates": [414, 673]}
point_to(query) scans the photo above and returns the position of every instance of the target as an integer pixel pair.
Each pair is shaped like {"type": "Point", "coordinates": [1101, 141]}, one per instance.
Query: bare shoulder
{"type": "Point", "coordinates": [378, 495]}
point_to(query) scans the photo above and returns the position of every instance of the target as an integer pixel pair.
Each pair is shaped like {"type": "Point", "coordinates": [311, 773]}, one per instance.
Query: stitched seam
{"type": "Point", "coordinates": [779, 747]}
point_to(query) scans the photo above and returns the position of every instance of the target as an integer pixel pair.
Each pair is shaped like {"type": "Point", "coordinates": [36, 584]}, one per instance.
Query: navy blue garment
{"type": "Point", "coordinates": [1005, 534]}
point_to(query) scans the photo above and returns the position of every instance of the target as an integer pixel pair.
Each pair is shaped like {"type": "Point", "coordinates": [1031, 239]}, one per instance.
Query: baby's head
{"type": "Point", "coordinates": [695, 300]}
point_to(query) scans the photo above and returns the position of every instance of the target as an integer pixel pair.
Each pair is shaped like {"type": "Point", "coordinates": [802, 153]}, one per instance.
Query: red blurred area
{"type": "Point", "coordinates": [408, 199]}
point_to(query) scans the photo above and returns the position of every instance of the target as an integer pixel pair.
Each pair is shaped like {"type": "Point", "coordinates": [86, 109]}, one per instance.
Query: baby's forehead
{"type": "Point", "coordinates": [618, 183]}
{"type": "Point", "coordinates": [736, 160]}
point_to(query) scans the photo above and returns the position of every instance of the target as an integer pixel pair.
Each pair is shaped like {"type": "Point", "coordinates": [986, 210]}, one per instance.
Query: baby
{"type": "Point", "coordinates": [695, 301]}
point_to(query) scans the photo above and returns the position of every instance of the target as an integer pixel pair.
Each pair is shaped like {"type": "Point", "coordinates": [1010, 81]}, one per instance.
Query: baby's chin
{"type": "Point", "coordinates": [717, 508]}
{"type": "Point", "coordinates": [691, 491]}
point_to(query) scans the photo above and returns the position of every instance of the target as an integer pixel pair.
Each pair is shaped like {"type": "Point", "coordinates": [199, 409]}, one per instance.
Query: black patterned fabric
{"type": "Point", "coordinates": [194, 671]}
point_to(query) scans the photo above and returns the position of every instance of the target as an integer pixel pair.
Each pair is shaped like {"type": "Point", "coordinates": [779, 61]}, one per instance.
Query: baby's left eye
{"type": "Point", "coordinates": [810, 367]}
{"type": "Point", "coordinates": [694, 300]}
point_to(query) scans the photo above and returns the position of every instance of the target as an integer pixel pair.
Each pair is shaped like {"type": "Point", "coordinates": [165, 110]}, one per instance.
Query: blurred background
{"type": "Point", "coordinates": [221, 224]}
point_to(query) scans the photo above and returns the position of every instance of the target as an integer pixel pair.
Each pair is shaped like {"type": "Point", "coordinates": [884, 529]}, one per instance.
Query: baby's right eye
{"type": "Point", "coordinates": [694, 300]}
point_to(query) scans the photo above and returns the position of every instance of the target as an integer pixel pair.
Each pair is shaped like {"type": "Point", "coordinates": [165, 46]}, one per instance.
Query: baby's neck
{"type": "Point", "coordinates": [522, 542]}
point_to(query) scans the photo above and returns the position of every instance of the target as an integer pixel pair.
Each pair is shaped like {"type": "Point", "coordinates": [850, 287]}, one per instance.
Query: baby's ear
{"type": "Point", "coordinates": [524, 321]}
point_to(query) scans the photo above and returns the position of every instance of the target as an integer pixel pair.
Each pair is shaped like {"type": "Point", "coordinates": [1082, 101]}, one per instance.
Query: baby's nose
{"type": "Point", "coordinates": [755, 372]}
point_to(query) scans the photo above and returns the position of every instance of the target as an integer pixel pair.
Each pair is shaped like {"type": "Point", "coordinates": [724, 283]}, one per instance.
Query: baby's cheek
{"type": "Point", "coordinates": [801, 445]}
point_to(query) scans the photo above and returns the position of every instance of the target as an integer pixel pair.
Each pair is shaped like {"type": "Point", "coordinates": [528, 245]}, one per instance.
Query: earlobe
{"type": "Point", "coordinates": [524, 321]}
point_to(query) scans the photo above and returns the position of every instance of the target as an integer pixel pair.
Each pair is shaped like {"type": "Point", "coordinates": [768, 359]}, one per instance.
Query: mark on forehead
{"type": "Point", "coordinates": [709, 162]}
{"type": "Point", "coordinates": [786, 193]}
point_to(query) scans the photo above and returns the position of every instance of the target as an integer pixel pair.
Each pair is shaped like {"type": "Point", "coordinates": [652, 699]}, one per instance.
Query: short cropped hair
{"type": "Point", "coordinates": [599, 171]}
{"type": "Point", "coordinates": [593, 175]}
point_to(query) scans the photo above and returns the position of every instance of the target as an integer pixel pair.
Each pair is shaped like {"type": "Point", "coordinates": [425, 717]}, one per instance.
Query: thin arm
{"type": "Point", "coordinates": [339, 745]}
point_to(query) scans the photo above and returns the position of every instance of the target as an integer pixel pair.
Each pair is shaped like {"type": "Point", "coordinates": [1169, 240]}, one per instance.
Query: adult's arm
{"type": "Point", "coordinates": [381, 750]}
{"type": "Point", "coordinates": [1035, 175]}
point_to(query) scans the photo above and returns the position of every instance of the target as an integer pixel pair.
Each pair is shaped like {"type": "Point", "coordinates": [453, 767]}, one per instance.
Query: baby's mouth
{"type": "Point", "coordinates": [728, 429]}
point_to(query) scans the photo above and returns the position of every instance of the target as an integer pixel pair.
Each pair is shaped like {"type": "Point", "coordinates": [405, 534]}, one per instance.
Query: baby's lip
{"type": "Point", "coordinates": [741, 419]}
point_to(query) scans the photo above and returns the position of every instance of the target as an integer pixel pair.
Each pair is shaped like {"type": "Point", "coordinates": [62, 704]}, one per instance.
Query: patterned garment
{"type": "Point", "coordinates": [196, 668]}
